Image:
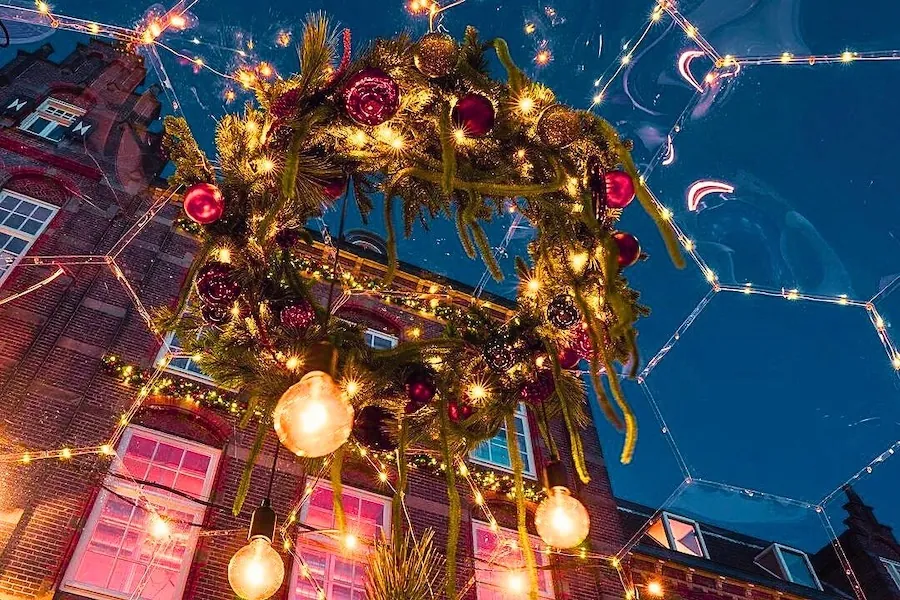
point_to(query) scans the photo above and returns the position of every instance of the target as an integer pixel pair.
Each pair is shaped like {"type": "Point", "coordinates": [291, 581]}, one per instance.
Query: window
{"type": "Point", "coordinates": [500, 566]}
{"type": "Point", "coordinates": [182, 365]}
{"type": "Point", "coordinates": [495, 451]}
{"type": "Point", "coordinates": [51, 119]}
{"type": "Point", "coordinates": [379, 341]}
{"type": "Point", "coordinates": [121, 553]}
{"type": "Point", "coordinates": [893, 569]}
{"type": "Point", "coordinates": [679, 534]}
{"type": "Point", "coordinates": [22, 220]}
{"type": "Point", "coordinates": [788, 564]}
{"type": "Point", "coordinates": [339, 573]}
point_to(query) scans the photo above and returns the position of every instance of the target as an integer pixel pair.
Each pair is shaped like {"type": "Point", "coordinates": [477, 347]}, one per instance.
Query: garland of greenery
{"type": "Point", "coordinates": [425, 126]}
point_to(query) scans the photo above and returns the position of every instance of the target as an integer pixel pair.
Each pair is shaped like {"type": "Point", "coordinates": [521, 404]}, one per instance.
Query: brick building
{"type": "Point", "coordinates": [78, 167]}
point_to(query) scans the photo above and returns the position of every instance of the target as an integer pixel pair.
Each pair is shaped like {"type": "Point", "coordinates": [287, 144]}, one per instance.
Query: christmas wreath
{"type": "Point", "coordinates": [423, 127]}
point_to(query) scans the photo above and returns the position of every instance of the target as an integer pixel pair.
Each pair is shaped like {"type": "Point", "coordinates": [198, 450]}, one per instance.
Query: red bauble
{"type": "Point", "coordinates": [334, 188]}
{"type": "Point", "coordinates": [539, 389]}
{"type": "Point", "coordinates": [371, 97]}
{"type": "Point", "coordinates": [285, 105]}
{"type": "Point", "coordinates": [420, 389]}
{"type": "Point", "coordinates": [458, 411]}
{"type": "Point", "coordinates": [372, 427]}
{"type": "Point", "coordinates": [474, 114]}
{"type": "Point", "coordinates": [619, 189]}
{"type": "Point", "coordinates": [286, 238]}
{"type": "Point", "coordinates": [298, 314]}
{"type": "Point", "coordinates": [216, 285]}
{"type": "Point", "coordinates": [203, 203]}
{"type": "Point", "coordinates": [629, 248]}
{"type": "Point", "coordinates": [568, 357]}
{"type": "Point", "coordinates": [582, 344]}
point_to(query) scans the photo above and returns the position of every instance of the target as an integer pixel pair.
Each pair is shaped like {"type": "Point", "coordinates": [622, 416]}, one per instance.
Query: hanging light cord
{"type": "Point", "coordinates": [272, 473]}
{"type": "Point", "coordinates": [337, 253]}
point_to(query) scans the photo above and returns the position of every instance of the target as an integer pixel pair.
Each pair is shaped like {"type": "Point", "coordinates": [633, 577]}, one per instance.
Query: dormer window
{"type": "Point", "coordinates": [678, 534]}
{"type": "Point", "coordinates": [893, 569]}
{"type": "Point", "coordinates": [788, 564]}
{"type": "Point", "coordinates": [51, 119]}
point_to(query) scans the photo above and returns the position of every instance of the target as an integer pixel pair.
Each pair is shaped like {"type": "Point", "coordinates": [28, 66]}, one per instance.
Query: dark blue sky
{"type": "Point", "coordinates": [788, 398]}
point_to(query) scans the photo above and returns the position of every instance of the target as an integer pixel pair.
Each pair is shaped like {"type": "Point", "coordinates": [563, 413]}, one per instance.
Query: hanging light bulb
{"type": "Point", "coordinates": [256, 571]}
{"type": "Point", "coordinates": [561, 520]}
{"type": "Point", "coordinates": [314, 416]}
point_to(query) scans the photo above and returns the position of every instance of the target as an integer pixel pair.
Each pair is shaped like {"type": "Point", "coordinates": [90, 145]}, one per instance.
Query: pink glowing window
{"type": "Point", "coordinates": [679, 534]}
{"type": "Point", "coordinates": [322, 563]}
{"type": "Point", "coordinates": [140, 537]}
{"type": "Point", "coordinates": [500, 565]}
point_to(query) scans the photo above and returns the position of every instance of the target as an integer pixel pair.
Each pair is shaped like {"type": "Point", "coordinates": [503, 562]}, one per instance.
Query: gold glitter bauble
{"type": "Point", "coordinates": [436, 55]}
{"type": "Point", "coordinates": [559, 126]}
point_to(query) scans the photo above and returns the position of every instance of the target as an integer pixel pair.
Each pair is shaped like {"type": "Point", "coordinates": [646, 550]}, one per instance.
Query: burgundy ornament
{"type": "Point", "coordinates": [298, 314]}
{"type": "Point", "coordinates": [286, 238]}
{"type": "Point", "coordinates": [372, 427]}
{"type": "Point", "coordinates": [334, 188]}
{"type": "Point", "coordinates": [459, 410]}
{"type": "Point", "coordinates": [568, 357]}
{"type": "Point", "coordinates": [619, 189]}
{"type": "Point", "coordinates": [371, 97]}
{"type": "Point", "coordinates": [629, 248]}
{"type": "Point", "coordinates": [562, 311]}
{"type": "Point", "coordinates": [203, 203]}
{"type": "Point", "coordinates": [285, 105]}
{"type": "Point", "coordinates": [539, 389]}
{"type": "Point", "coordinates": [474, 114]}
{"type": "Point", "coordinates": [582, 344]}
{"type": "Point", "coordinates": [216, 285]}
{"type": "Point", "coordinates": [500, 352]}
{"type": "Point", "coordinates": [420, 388]}
{"type": "Point", "coordinates": [215, 314]}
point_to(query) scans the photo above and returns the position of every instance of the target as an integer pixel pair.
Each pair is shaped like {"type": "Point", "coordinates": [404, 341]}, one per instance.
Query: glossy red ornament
{"type": "Point", "coordinates": [285, 105]}
{"type": "Point", "coordinates": [581, 343]}
{"type": "Point", "coordinates": [298, 314]}
{"type": "Point", "coordinates": [458, 411]}
{"type": "Point", "coordinates": [562, 311]}
{"type": "Point", "coordinates": [568, 357]}
{"type": "Point", "coordinates": [629, 248]}
{"type": "Point", "coordinates": [474, 114]}
{"type": "Point", "coordinates": [203, 203]}
{"type": "Point", "coordinates": [371, 97]}
{"type": "Point", "coordinates": [420, 389]}
{"type": "Point", "coordinates": [619, 189]}
{"type": "Point", "coordinates": [216, 285]}
{"type": "Point", "coordinates": [539, 389]}
{"type": "Point", "coordinates": [334, 188]}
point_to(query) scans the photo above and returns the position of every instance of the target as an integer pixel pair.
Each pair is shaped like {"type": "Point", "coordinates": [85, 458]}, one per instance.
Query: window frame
{"type": "Point", "coordinates": [393, 339]}
{"type": "Point", "coordinates": [665, 517]}
{"type": "Point", "coordinates": [47, 110]}
{"type": "Point", "coordinates": [536, 544]}
{"type": "Point", "coordinates": [29, 238]}
{"type": "Point", "coordinates": [786, 573]}
{"type": "Point", "coordinates": [326, 545]}
{"type": "Point", "coordinates": [529, 470]}
{"type": "Point", "coordinates": [893, 569]}
{"type": "Point", "coordinates": [129, 489]}
{"type": "Point", "coordinates": [179, 371]}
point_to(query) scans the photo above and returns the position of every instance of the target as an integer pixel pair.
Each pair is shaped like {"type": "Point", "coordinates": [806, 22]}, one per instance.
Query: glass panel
{"type": "Point", "coordinates": [25, 208]}
{"type": "Point", "coordinates": [657, 531]}
{"type": "Point", "coordinates": [685, 536]}
{"type": "Point", "coordinates": [38, 125]}
{"type": "Point", "coordinates": [30, 226]}
{"type": "Point", "coordinates": [798, 568]}
{"type": "Point", "coordinates": [14, 221]}
{"type": "Point", "coordinates": [41, 213]}
{"type": "Point", "coordinates": [56, 133]}
{"type": "Point", "coordinates": [9, 202]}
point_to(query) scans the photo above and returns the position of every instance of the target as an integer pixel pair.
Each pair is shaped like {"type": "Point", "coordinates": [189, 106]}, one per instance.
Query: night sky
{"type": "Point", "coordinates": [788, 398]}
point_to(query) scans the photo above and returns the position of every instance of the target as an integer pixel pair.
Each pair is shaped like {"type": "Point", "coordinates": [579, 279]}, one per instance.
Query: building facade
{"type": "Point", "coordinates": [79, 163]}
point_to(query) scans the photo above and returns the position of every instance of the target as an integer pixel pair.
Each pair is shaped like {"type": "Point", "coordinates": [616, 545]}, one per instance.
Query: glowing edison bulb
{"type": "Point", "coordinates": [561, 520]}
{"type": "Point", "coordinates": [313, 418]}
{"type": "Point", "coordinates": [256, 571]}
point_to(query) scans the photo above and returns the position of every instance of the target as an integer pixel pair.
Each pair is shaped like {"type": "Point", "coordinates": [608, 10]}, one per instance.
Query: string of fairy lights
{"type": "Point", "coordinates": [147, 37]}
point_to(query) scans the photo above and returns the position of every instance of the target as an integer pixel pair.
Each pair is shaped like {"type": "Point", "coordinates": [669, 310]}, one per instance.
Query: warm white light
{"type": "Point", "coordinates": [578, 261]}
{"type": "Point", "coordinates": [526, 104]}
{"type": "Point", "coordinates": [533, 285]}
{"type": "Point", "coordinates": [561, 520]}
{"type": "Point", "coordinates": [786, 58]}
{"type": "Point", "coordinates": [477, 391]}
{"type": "Point", "coordinates": [313, 418]}
{"type": "Point", "coordinates": [350, 541]}
{"type": "Point", "coordinates": [515, 582]}
{"type": "Point", "coordinates": [654, 588]}
{"type": "Point", "coordinates": [159, 528]}
{"type": "Point", "coordinates": [846, 56]}
{"type": "Point", "coordinates": [256, 571]}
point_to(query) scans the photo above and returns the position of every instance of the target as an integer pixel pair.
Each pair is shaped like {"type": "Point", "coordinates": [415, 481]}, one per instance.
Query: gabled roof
{"type": "Point", "coordinates": [731, 554]}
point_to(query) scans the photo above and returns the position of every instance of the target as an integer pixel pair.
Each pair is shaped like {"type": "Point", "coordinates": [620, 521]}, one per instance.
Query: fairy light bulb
{"type": "Point", "coordinates": [313, 417]}
{"type": "Point", "coordinates": [561, 520]}
{"type": "Point", "coordinates": [256, 571]}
